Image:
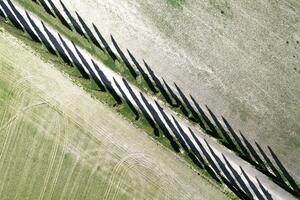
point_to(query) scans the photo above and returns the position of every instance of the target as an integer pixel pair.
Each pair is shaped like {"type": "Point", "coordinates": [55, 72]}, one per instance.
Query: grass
{"type": "Point", "coordinates": [90, 86]}
{"type": "Point", "coordinates": [26, 152]}
{"type": "Point", "coordinates": [45, 153]}
{"type": "Point", "coordinates": [120, 68]}
{"type": "Point", "coordinates": [31, 161]}
{"type": "Point", "coordinates": [175, 3]}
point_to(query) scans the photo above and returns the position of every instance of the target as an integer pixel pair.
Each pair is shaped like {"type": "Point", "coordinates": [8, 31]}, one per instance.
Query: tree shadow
{"type": "Point", "coordinates": [11, 16]}
{"type": "Point", "coordinates": [91, 71]}
{"type": "Point", "coordinates": [178, 102]}
{"type": "Point", "coordinates": [177, 133]}
{"type": "Point", "coordinates": [227, 177]}
{"type": "Point", "coordinates": [158, 84]}
{"type": "Point", "coordinates": [258, 161]}
{"type": "Point", "coordinates": [144, 75]}
{"type": "Point", "coordinates": [243, 149]}
{"type": "Point", "coordinates": [73, 21]}
{"type": "Point", "coordinates": [107, 84]}
{"type": "Point", "coordinates": [105, 44]}
{"type": "Point", "coordinates": [222, 166]}
{"type": "Point", "coordinates": [131, 106]}
{"type": "Point", "coordinates": [155, 115]}
{"type": "Point", "coordinates": [180, 135]}
{"type": "Point", "coordinates": [58, 47]}
{"type": "Point", "coordinates": [59, 15]}
{"type": "Point", "coordinates": [194, 153]}
{"type": "Point", "coordinates": [289, 178]}
{"type": "Point", "coordinates": [266, 193]}
{"type": "Point", "coordinates": [2, 13]}
{"type": "Point", "coordinates": [270, 164]}
{"type": "Point", "coordinates": [228, 141]}
{"type": "Point", "coordinates": [75, 61]}
{"type": "Point", "coordinates": [123, 57]}
{"type": "Point", "coordinates": [238, 178]}
{"type": "Point", "coordinates": [41, 35]}
{"type": "Point", "coordinates": [141, 108]}
{"type": "Point", "coordinates": [205, 120]}
{"type": "Point", "coordinates": [89, 32]}
{"type": "Point", "coordinates": [215, 173]}
{"type": "Point", "coordinates": [252, 185]}
{"type": "Point", "coordinates": [195, 117]}
{"type": "Point", "coordinates": [23, 22]}
{"type": "Point", "coordinates": [46, 7]}
{"type": "Point", "coordinates": [171, 125]}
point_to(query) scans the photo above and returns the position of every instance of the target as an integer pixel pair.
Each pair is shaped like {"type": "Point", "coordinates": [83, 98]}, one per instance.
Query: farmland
{"type": "Point", "coordinates": [56, 142]}
{"type": "Point", "coordinates": [88, 100]}
{"type": "Point", "coordinates": [241, 59]}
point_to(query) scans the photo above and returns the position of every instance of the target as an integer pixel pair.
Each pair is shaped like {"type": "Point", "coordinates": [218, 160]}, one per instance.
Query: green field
{"type": "Point", "coordinates": [56, 142]}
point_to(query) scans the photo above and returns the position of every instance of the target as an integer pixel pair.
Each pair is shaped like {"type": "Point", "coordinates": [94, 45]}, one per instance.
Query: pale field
{"type": "Point", "coordinates": [239, 58]}
{"type": "Point", "coordinates": [56, 142]}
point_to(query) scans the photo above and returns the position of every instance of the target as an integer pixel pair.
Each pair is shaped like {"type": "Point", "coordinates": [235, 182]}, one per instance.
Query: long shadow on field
{"type": "Point", "coordinates": [108, 84]}
{"type": "Point", "coordinates": [58, 47]}
{"type": "Point", "coordinates": [270, 164]}
{"type": "Point", "coordinates": [60, 16]}
{"type": "Point", "coordinates": [159, 84]}
{"type": "Point", "coordinates": [252, 185]}
{"type": "Point", "coordinates": [141, 108]}
{"type": "Point", "coordinates": [73, 21]}
{"type": "Point", "coordinates": [46, 7]}
{"type": "Point", "coordinates": [284, 171]}
{"type": "Point", "coordinates": [178, 102]}
{"type": "Point", "coordinates": [89, 32]}
{"type": "Point", "coordinates": [194, 153]}
{"type": "Point", "coordinates": [228, 141]}
{"type": "Point", "coordinates": [276, 175]}
{"type": "Point", "coordinates": [105, 44]}
{"type": "Point", "coordinates": [266, 193]}
{"type": "Point", "coordinates": [144, 75]}
{"type": "Point", "coordinates": [228, 179]}
{"type": "Point", "coordinates": [131, 106]}
{"type": "Point", "coordinates": [210, 127]}
{"type": "Point", "coordinates": [23, 22]}
{"type": "Point", "coordinates": [75, 61]}
{"type": "Point", "coordinates": [179, 134]}
{"type": "Point", "coordinates": [258, 161]}
{"type": "Point", "coordinates": [195, 117]}
{"type": "Point", "coordinates": [89, 68]}
{"type": "Point", "coordinates": [2, 13]}
{"type": "Point", "coordinates": [171, 126]}
{"type": "Point", "coordinates": [174, 130]}
{"type": "Point", "coordinates": [243, 150]}
{"type": "Point", "coordinates": [211, 168]}
{"type": "Point", "coordinates": [41, 36]}
{"type": "Point", "coordinates": [11, 16]}
{"type": "Point", "coordinates": [238, 178]}
{"type": "Point", "coordinates": [123, 57]}
{"type": "Point", "coordinates": [155, 115]}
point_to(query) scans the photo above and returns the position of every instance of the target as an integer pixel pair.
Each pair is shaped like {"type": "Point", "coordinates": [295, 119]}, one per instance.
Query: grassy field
{"type": "Point", "coordinates": [175, 3]}
{"type": "Point", "coordinates": [56, 143]}
{"type": "Point", "coordinates": [241, 59]}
